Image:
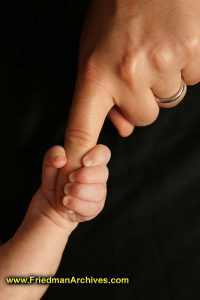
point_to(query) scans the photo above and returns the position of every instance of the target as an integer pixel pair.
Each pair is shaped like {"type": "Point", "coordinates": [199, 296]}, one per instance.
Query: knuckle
{"type": "Point", "coordinates": [152, 118]}
{"type": "Point", "coordinates": [93, 74]}
{"type": "Point", "coordinates": [93, 209]}
{"type": "Point", "coordinates": [126, 68]}
{"type": "Point", "coordinates": [90, 66]}
{"type": "Point", "coordinates": [101, 190]}
{"type": "Point", "coordinates": [161, 58]}
{"type": "Point", "coordinates": [90, 210]}
{"type": "Point", "coordinates": [192, 45]}
{"type": "Point", "coordinates": [148, 119]}
{"type": "Point", "coordinates": [79, 137]}
{"type": "Point", "coordinates": [93, 71]}
{"type": "Point", "coordinates": [106, 173]}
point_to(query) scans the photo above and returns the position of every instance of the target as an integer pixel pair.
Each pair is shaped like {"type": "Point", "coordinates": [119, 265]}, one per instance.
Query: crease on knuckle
{"type": "Point", "coordinates": [80, 137]}
{"type": "Point", "coordinates": [94, 73]}
{"type": "Point", "coordinates": [90, 67]}
{"type": "Point", "coordinates": [91, 70]}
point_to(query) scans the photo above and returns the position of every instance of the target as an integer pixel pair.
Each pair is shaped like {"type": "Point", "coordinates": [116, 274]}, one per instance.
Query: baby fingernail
{"type": "Point", "coordinates": [67, 188]}
{"type": "Point", "coordinates": [72, 177]}
{"type": "Point", "coordinates": [57, 158]}
{"type": "Point", "coordinates": [87, 161]}
{"type": "Point", "coordinates": [69, 211]}
{"type": "Point", "coordinates": [65, 202]}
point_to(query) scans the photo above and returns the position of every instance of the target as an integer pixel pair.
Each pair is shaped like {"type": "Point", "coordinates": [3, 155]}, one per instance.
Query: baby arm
{"type": "Point", "coordinates": [37, 246]}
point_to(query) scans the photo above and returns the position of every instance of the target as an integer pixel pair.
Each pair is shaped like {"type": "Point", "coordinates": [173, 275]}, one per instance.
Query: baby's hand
{"type": "Point", "coordinates": [84, 195]}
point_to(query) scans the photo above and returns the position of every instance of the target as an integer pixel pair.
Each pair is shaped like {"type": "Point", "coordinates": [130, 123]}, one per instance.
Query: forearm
{"type": "Point", "coordinates": [36, 248]}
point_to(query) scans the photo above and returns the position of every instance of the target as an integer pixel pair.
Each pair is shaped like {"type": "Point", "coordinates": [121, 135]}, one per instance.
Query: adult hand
{"type": "Point", "coordinates": [132, 52]}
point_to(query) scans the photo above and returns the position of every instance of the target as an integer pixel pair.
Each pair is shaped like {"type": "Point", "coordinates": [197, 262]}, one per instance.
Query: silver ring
{"type": "Point", "coordinates": [176, 96]}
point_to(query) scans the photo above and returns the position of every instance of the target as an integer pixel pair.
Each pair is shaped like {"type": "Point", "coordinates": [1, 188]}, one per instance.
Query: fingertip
{"type": "Point", "coordinates": [123, 125]}
{"type": "Point", "coordinates": [108, 152]}
{"type": "Point", "coordinates": [99, 154]}
{"type": "Point", "coordinates": [126, 130]}
{"type": "Point", "coordinates": [72, 177]}
{"type": "Point", "coordinates": [57, 157]}
{"type": "Point", "coordinates": [87, 162]}
{"type": "Point", "coordinates": [58, 161]}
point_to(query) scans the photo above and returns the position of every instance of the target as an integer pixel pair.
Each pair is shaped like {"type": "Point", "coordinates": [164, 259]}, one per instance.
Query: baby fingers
{"type": "Point", "coordinates": [85, 194]}
{"type": "Point", "coordinates": [84, 201]}
{"type": "Point", "coordinates": [88, 192]}
{"type": "Point", "coordinates": [82, 209]}
{"type": "Point", "coordinates": [98, 155]}
{"type": "Point", "coordinates": [96, 174]}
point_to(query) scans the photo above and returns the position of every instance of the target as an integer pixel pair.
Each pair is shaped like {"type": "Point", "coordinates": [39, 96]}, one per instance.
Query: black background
{"type": "Point", "coordinates": [149, 229]}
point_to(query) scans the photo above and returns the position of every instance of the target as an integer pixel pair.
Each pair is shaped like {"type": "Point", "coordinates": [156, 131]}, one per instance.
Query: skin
{"type": "Point", "coordinates": [38, 244]}
{"type": "Point", "coordinates": [131, 53]}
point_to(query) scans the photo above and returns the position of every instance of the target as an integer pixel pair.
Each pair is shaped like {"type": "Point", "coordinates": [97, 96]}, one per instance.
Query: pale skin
{"type": "Point", "coordinates": [132, 52]}
{"type": "Point", "coordinates": [38, 244]}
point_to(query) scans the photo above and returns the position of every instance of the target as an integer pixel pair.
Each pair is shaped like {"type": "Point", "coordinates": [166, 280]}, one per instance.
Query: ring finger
{"type": "Point", "coordinates": [168, 86]}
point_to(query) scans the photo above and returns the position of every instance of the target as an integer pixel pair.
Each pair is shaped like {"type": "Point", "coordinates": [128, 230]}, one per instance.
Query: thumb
{"type": "Point", "coordinates": [90, 106]}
